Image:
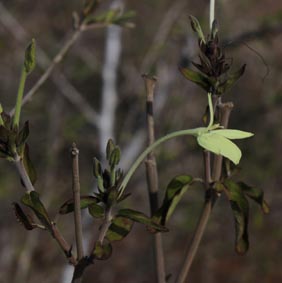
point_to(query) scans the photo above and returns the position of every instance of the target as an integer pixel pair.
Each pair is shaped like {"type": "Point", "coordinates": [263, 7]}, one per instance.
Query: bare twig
{"type": "Point", "coordinates": [152, 175]}
{"type": "Point", "coordinates": [23, 174]}
{"type": "Point", "coordinates": [76, 197]}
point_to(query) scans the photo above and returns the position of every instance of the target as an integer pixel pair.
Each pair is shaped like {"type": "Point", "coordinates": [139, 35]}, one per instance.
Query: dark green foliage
{"type": "Point", "coordinates": [32, 200]}
{"type": "Point", "coordinates": [119, 229]}
{"type": "Point", "coordinates": [23, 218]}
{"type": "Point", "coordinates": [140, 217]}
{"type": "Point", "coordinates": [102, 251]}
{"type": "Point", "coordinates": [29, 60]}
{"type": "Point", "coordinates": [30, 169]}
{"type": "Point", "coordinates": [240, 208]}
{"type": "Point", "coordinates": [85, 201]}
{"type": "Point", "coordinates": [214, 76]}
{"type": "Point", "coordinates": [96, 210]}
{"type": "Point", "coordinates": [174, 192]}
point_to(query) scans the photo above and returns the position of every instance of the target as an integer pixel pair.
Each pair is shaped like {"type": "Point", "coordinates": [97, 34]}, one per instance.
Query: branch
{"type": "Point", "coordinates": [152, 175]}
{"type": "Point", "coordinates": [259, 33]}
{"type": "Point", "coordinates": [76, 197]}
{"type": "Point", "coordinates": [66, 88]}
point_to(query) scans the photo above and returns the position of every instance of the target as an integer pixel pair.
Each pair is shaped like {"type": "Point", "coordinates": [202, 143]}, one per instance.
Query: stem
{"type": "Point", "coordinates": [195, 241]}
{"type": "Point", "coordinates": [57, 59]}
{"type": "Point", "coordinates": [76, 197]}
{"type": "Point", "coordinates": [152, 176]}
{"type": "Point", "coordinates": [143, 155]}
{"type": "Point", "coordinates": [212, 5]}
{"type": "Point", "coordinates": [23, 174]}
{"type": "Point", "coordinates": [66, 248]}
{"type": "Point", "coordinates": [224, 111]}
{"type": "Point", "coordinates": [211, 110]}
{"type": "Point", "coordinates": [18, 106]}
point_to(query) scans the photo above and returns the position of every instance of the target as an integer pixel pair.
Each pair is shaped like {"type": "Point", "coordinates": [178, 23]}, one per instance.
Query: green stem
{"type": "Point", "coordinates": [211, 110]}
{"type": "Point", "coordinates": [143, 155]}
{"type": "Point", "coordinates": [212, 5]}
{"type": "Point", "coordinates": [19, 99]}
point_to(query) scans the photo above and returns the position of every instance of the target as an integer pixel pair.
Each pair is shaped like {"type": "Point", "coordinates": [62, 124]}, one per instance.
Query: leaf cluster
{"type": "Point", "coordinates": [213, 68]}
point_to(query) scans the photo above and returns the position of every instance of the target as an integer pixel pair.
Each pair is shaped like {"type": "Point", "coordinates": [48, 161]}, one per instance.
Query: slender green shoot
{"type": "Point", "coordinates": [142, 156]}
{"type": "Point", "coordinates": [18, 107]}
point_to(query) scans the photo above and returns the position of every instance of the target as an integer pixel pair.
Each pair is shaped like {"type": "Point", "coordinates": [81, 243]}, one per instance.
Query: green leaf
{"type": "Point", "coordinates": [174, 192]}
{"type": "Point", "coordinates": [125, 19]}
{"type": "Point", "coordinates": [85, 201]}
{"type": "Point", "coordinates": [140, 217]}
{"type": "Point", "coordinates": [231, 80]}
{"type": "Point", "coordinates": [109, 149]}
{"type": "Point", "coordinates": [97, 168]}
{"type": "Point", "coordinates": [197, 28]}
{"type": "Point", "coordinates": [96, 210]}
{"type": "Point", "coordinates": [114, 157]}
{"type": "Point", "coordinates": [22, 217]}
{"type": "Point", "coordinates": [102, 251]}
{"type": "Point", "coordinates": [112, 196]}
{"type": "Point", "coordinates": [30, 169]}
{"type": "Point", "coordinates": [32, 200]}
{"type": "Point", "coordinates": [220, 145]}
{"type": "Point", "coordinates": [233, 134]}
{"type": "Point", "coordinates": [29, 61]}
{"type": "Point", "coordinates": [240, 207]}
{"type": "Point", "coordinates": [255, 194]}
{"type": "Point", "coordinates": [119, 228]}
{"type": "Point", "coordinates": [196, 78]}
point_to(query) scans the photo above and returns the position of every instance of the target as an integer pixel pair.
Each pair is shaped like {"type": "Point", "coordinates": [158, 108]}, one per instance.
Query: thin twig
{"type": "Point", "coordinates": [23, 174]}
{"type": "Point", "coordinates": [54, 232]}
{"type": "Point", "coordinates": [195, 242]}
{"type": "Point", "coordinates": [76, 197]}
{"type": "Point", "coordinates": [224, 113]}
{"type": "Point", "coordinates": [65, 247]}
{"type": "Point", "coordinates": [152, 175]}
{"type": "Point", "coordinates": [57, 59]}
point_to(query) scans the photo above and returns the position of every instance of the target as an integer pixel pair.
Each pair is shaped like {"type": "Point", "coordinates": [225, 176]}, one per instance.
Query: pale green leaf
{"type": "Point", "coordinates": [233, 134]}
{"type": "Point", "coordinates": [220, 145]}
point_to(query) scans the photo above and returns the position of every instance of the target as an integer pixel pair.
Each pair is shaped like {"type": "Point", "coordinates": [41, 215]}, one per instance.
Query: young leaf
{"type": "Point", "coordinates": [29, 61]}
{"type": "Point", "coordinates": [96, 210]}
{"type": "Point", "coordinates": [109, 149]}
{"type": "Point", "coordinates": [255, 194]}
{"type": "Point", "coordinates": [30, 169]}
{"type": "Point", "coordinates": [114, 157]}
{"type": "Point", "coordinates": [22, 217]}
{"type": "Point", "coordinates": [197, 28]}
{"type": "Point", "coordinates": [174, 192]}
{"type": "Point", "coordinates": [85, 201]}
{"type": "Point", "coordinates": [240, 207]}
{"type": "Point", "coordinates": [231, 80]}
{"type": "Point", "coordinates": [140, 217]}
{"type": "Point", "coordinates": [102, 251]}
{"type": "Point", "coordinates": [220, 145]}
{"type": "Point", "coordinates": [196, 78]}
{"type": "Point", "coordinates": [33, 201]}
{"type": "Point", "coordinates": [119, 228]}
{"type": "Point", "coordinates": [232, 134]}
{"type": "Point", "coordinates": [97, 168]}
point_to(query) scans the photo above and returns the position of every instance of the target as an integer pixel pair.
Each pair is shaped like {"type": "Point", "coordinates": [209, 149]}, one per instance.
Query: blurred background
{"type": "Point", "coordinates": [97, 92]}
